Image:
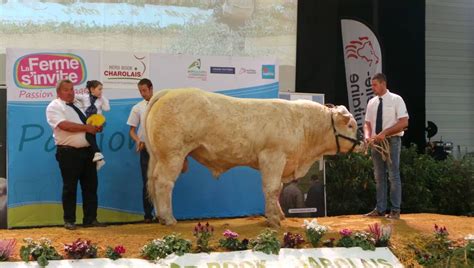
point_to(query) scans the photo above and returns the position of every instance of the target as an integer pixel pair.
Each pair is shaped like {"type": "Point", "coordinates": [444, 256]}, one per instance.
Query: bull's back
{"type": "Point", "coordinates": [217, 128]}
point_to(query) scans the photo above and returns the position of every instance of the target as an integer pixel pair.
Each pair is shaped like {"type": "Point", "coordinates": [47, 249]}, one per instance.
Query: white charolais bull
{"type": "Point", "coordinates": [280, 138]}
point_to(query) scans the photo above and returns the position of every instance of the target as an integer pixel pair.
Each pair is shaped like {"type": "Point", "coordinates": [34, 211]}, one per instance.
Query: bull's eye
{"type": "Point", "coordinates": [350, 126]}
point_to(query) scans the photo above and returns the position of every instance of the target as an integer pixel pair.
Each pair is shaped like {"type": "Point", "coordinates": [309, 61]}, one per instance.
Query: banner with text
{"type": "Point", "coordinates": [34, 181]}
{"type": "Point", "coordinates": [363, 59]}
{"type": "Point", "coordinates": [316, 257]}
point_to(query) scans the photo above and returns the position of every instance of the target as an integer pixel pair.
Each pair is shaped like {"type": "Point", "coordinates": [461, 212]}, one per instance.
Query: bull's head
{"type": "Point", "coordinates": [347, 136]}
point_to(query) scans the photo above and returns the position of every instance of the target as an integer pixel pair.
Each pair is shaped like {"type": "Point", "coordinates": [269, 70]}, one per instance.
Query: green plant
{"type": "Point", "coordinates": [418, 173]}
{"type": "Point", "coordinates": [346, 239]}
{"type": "Point", "coordinates": [231, 242]}
{"type": "Point", "coordinates": [266, 242]}
{"type": "Point", "coordinates": [40, 251]}
{"type": "Point", "coordinates": [114, 253]}
{"type": "Point", "coordinates": [160, 248]}
{"type": "Point", "coordinates": [81, 249]}
{"type": "Point", "coordinates": [469, 248]}
{"type": "Point", "coordinates": [439, 251]}
{"type": "Point", "coordinates": [363, 240]}
{"type": "Point", "coordinates": [453, 189]}
{"type": "Point", "coordinates": [352, 187]}
{"type": "Point", "coordinates": [428, 185]}
{"type": "Point", "coordinates": [203, 233]}
{"type": "Point", "coordinates": [314, 231]}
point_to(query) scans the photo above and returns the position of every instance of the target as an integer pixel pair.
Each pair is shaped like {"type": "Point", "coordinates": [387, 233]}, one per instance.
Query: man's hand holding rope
{"type": "Point", "coordinates": [381, 145]}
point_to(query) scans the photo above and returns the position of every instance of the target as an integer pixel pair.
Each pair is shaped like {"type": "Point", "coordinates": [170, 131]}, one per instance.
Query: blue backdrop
{"type": "Point", "coordinates": [36, 177]}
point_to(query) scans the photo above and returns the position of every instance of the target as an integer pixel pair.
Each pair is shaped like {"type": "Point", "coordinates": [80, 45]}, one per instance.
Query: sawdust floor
{"type": "Point", "coordinates": [134, 236]}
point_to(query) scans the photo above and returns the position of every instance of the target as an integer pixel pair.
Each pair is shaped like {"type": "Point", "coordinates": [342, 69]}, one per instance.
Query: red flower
{"type": "Point", "coordinates": [119, 250]}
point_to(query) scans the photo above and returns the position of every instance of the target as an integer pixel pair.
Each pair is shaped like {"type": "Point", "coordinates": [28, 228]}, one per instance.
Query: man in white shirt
{"type": "Point", "coordinates": [137, 133]}
{"type": "Point", "coordinates": [74, 155]}
{"type": "Point", "coordinates": [386, 118]}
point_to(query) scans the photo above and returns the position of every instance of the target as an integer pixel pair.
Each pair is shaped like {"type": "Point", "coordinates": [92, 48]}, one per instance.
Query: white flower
{"type": "Point", "coordinates": [313, 225]}
{"type": "Point", "coordinates": [321, 228]}
{"type": "Point", "coordinates": [362, 235]}
{"type": "Point", "coordinates": [469, 237]}
{"type": "Point", "coordinates": [310, 224]}
{"type": "Point", "coordinates": [44, 241]}
{"type": "Point", "coordinates": [386, 232]}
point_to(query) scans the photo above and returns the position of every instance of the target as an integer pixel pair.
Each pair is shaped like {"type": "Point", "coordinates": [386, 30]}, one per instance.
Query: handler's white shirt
{"type": "Point", "coordinates": [394, 108]}
{"type": "Point", "coordinates": [137, 117]}
{"type": "Point", "coordinates": [57, 112]}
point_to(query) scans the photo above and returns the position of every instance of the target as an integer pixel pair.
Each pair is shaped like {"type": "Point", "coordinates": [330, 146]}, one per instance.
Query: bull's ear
{"type": "Point", "coordinates": [342, 109]}
{"type": "Point", "coordinates": [344, 115]}
{"type": "Point", "coordinates": [344, 118]}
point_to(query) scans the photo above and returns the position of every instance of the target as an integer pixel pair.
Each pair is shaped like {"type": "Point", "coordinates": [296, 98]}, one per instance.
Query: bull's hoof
{"type": "Point", "coordinates": [168, 221]}
{"type": "Point", "coordinates": [282, 216]}
{"type": "Point", "coordinates": [273, 223]}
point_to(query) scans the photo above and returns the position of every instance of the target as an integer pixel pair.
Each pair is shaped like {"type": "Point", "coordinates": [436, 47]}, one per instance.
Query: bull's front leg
{"type": "Point", "coordinates": [167, 173]}
{"type": "Point", "coordinates": [271, 166]}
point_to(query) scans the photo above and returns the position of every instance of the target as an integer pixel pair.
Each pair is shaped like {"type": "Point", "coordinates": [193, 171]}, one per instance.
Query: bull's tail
{"type": "Point", "coordinates": [152, 162]}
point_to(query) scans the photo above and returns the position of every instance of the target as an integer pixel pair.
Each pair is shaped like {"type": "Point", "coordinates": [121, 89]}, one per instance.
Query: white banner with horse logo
{"type": "Point", "coordinates": [363, 59]}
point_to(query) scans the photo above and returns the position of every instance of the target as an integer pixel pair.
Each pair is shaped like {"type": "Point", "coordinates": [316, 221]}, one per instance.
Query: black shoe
{"type": "Point", "coordinates": [394, 215]}
{"type": "Point", "coordinates": [70, 226]}
{"type": "Point", "coordinates": [94, 223]}
{"type": "Point", "coordinates": [374, 213]}
{"type": "Point", "coordinates": [148, 220]}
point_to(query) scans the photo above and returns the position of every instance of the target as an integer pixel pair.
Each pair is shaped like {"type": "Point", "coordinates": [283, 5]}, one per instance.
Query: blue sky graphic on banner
{"type": "Point", "coordinates": [34, 181]}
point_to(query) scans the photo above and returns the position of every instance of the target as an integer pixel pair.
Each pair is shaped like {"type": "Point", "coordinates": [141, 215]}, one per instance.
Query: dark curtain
{"type": "Point", "coordinates": [400, 26]}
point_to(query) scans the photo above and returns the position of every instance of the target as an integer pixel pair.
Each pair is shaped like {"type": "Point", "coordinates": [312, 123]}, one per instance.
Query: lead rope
{"type": "Point", "coordinates": [383, 148]}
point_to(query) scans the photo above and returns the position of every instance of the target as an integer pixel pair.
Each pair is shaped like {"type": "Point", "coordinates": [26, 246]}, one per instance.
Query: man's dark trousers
{"type": "Point", "coordinates": [76, 166]}
{"type": "Point", "coordinates": [147, 205]}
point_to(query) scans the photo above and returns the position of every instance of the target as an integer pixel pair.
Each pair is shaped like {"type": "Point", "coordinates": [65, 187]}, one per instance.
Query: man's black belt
{"type": "Point", "coordinates": [67, 147]}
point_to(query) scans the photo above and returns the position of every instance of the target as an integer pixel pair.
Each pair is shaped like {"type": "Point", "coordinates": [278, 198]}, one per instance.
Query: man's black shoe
{"type": "Point", "coordinates": [148, 221]}
{"type": "Point", "coordinates": [394, 214]}
{"type": "Point", "coordinates": [94, 223]}
{"type": "Point", "coordinates": [374, 213]}
{"type": "Point", "coordinates": [70, 226]}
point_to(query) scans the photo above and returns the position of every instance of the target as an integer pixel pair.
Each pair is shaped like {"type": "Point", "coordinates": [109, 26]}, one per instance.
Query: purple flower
{"type": "Point", "coordinates": [441, 231]}
{"type": "Point", "coordinates": [292, 240]}
{"type": "Point", "coordinates": [229, 234]}
{"type": "Point", "coordinates": [345, 232]}
{"type": "Point", "coordinates": [6, 248]}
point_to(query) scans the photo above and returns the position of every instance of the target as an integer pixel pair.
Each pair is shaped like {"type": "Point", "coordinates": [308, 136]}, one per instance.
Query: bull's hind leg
{"type": "Point", "coordinates": [164, 177]}
{"type": "Point", "coordinates": [280, 211]}
{"type": "Point", "coordinates": [271, 166]}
